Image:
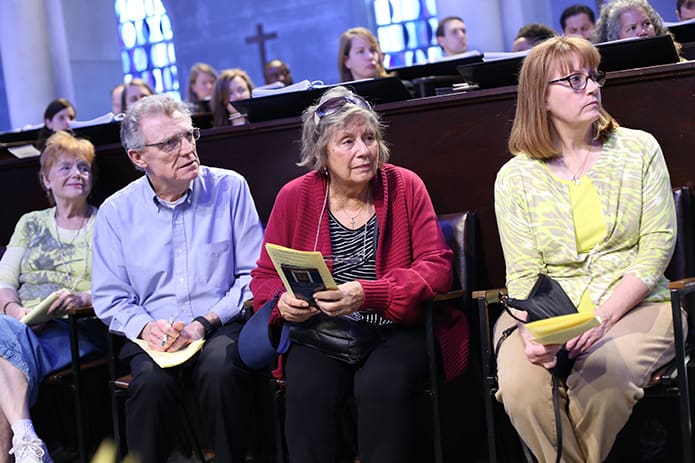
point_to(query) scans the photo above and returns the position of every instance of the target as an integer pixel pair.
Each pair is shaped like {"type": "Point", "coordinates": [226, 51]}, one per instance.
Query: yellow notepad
{"type": "Point", "coordinates": [171, 359]}
{"type": "Point", "coordinates": [560, 329]}
{"type": "Point", "coordinates": [39, 314]}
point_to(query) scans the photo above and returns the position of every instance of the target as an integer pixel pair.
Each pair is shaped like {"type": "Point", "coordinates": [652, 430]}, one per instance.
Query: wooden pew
{"type": "Point", "coordinates": [456, 143]}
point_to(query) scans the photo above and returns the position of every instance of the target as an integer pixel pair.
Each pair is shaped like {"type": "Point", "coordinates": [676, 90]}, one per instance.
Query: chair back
{"type": "Point", "coordinates": [682, 263]}
{"type": "Point", "coordinates": [460, 234]}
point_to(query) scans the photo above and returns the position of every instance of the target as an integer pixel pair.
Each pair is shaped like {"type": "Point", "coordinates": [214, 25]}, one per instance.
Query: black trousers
{"type": "Point", "coordinates": [223, 387]}
{"type": "Point", "coordinates": [385, 387]}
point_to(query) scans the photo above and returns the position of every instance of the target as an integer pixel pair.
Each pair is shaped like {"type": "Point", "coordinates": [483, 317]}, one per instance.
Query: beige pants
{"type": "Point", "coordinates": [604, 385]}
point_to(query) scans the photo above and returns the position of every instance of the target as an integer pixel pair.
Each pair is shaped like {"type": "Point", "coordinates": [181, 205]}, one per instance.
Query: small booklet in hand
{"type": "Point", "coordinates": [302, 272]}
{"type": "Point", "coordinates": [39, 314]}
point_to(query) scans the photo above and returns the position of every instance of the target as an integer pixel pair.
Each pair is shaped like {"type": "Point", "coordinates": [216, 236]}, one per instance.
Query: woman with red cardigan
{"type": "Point", "coordinates": [375, 226]}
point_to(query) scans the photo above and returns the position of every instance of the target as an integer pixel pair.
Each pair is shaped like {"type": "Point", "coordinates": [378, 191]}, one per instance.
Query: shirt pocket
{"type": "Point", "coordinates": [213, 264]}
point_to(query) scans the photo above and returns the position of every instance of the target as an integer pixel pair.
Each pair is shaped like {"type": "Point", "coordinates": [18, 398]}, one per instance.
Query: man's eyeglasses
{"type": "Point", "coordinates": [333, 105]}
{"type": "Point", "coordinates": [578, 81]}
{"type": "Point", "coordinates": [173, 143]}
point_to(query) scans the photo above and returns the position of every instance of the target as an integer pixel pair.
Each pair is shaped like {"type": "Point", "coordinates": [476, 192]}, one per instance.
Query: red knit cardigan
{"type": "Point", "coordinates": [413, 262]}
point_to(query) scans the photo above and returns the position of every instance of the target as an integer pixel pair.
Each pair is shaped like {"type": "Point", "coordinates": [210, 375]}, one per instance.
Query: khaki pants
{"type": "Point", "coordinates": [599, 394]}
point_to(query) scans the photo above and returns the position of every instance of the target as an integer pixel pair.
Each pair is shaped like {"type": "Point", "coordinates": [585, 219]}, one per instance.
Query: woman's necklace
{"type": "Point", "coordinates": [62, 247]}
{"type": "Point", "coordinates": [353, 218]}
{"type": "Point", "coordinates": [578, 173]}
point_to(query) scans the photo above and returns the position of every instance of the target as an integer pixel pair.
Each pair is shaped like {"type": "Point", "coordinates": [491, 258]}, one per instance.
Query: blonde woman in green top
{"type": "Point", "coordinates": [588, 203]}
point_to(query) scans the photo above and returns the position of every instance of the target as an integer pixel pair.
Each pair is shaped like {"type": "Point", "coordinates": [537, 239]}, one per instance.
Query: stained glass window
{"type": "Point", "coordinates": [406, 31]}
{"type": "Point", "coordinates": [147, 47]}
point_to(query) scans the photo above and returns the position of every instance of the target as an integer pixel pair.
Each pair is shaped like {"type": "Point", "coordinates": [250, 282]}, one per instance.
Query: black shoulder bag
{"type": "Point", "coordinates": [546, 299]}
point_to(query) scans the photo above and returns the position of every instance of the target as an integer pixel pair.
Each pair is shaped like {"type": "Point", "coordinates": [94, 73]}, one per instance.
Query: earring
{"type": "Point", "coordinates": [325, 171]}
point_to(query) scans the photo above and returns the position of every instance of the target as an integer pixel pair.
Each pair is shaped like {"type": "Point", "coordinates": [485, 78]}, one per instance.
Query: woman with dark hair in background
{"type": "Point", "coordinates": [231, 85]}
{"type": "Point", "coordinates": [57, 116]}
{"type": "Point", "coordinates": [201, 83]}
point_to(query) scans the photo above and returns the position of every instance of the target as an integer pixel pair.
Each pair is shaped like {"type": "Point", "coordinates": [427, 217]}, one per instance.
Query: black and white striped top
{"type": "Point", "coordinates": [354, 257]}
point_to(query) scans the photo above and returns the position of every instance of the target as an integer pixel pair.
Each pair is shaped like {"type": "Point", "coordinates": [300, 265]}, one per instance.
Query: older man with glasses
{"type": "Point", "coordinates": [173, 252]}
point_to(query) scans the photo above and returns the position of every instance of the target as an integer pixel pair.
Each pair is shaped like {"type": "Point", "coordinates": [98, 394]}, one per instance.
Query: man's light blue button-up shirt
{"type": "Point", "coordinates": [153, 259]}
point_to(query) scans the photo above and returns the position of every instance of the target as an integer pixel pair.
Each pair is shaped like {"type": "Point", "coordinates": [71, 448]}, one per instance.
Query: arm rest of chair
{"type": "Point", "coordinates": [80, 312]}
{"type": "Point", "coordinates": [687, 285]}
{"type": "Point", "coordinates": [449, 296]}
{"type": "Point", "coordinates": [490, 295]}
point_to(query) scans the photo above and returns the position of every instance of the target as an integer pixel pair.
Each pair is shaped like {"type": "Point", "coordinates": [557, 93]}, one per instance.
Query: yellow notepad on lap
{"type": "Point", "coordinates": [171, 359]}
{"type": "Point", "coordinates": [560, 329]}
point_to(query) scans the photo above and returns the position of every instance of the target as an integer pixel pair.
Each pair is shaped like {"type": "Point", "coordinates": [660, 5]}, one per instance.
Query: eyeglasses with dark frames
{"type": "Point", "coordinates": [333, 105]}
{"type": "Point", "coordinates": [578, 81]}
{"type": "Point", "coordinates": [173, 143]}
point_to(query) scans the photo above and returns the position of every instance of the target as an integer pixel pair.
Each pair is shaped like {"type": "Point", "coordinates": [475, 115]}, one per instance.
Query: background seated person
{"type": "Point", "coordinates": [173, 252]}
{"type": "Point", "coordinates": [57, 116]}
{"type": "Point", "coordinates": [133, 91]}
{"type": "Point", "coordinates": [375, 225]}
{"type": "Point", "coordinates": [359, 55]}
{"type": "Point", "coordinates": [588, 203]}
{"type": "Point", "coordinates": [451, 36]}
{"type": "Point", "coordinates": [116, 96]}
{"type": "Point", "coordinates": [50, 250]}
{"type": "Point", "coordinates": [201, 82]}
{"type": "Point", "coordinates": [232, 85]}
{"type": "Point", "coordinates": [578, 20]}
{"type": "Point", "coordinates": [531, 35]}
{"type": "Point", "coordinates": [685, 9]}
{"type": "Point", "coordinates": [621, 19]}
{"type": "Point", "coordinates": [277, 71]}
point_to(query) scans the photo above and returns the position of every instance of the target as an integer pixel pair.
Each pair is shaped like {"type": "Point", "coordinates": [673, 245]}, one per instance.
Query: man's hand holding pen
{"type": "Point", "coordinates": [161, 335]}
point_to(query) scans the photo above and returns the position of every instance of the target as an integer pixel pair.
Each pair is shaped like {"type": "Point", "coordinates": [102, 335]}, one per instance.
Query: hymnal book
{"type": "Point", "coordinates": [560, 329]}
{"type": "Point", "coordinates": [302, 272]}
{"type": "Point", "coordinates": [171, 359]}
{"type": "Point", "coordinates": [24, 151]}
{"type": "Point", "coordinates": [39, 314]}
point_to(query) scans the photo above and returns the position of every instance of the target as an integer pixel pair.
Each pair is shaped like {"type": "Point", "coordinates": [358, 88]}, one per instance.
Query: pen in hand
{"type": "Point", "coordinates": [165, 338]}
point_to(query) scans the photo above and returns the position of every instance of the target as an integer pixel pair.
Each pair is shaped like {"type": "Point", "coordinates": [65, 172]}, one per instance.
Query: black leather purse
{"type": "Point", "coordinates": [546, 299]}
{"type": "Point", "coordinates": [341, 338]}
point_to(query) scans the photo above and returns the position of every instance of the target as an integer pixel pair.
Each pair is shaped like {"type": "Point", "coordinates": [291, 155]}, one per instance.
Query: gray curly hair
{"type": "Point", "coordinates": [608, 24]}
{"type": "Point", "coordinates": [317, 132]}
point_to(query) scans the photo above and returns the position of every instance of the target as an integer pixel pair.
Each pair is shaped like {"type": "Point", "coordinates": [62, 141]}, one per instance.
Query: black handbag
{"type": "Point", "coordinates": [341, 338]}
{"type": "Point", "coordinates": [546, 299]}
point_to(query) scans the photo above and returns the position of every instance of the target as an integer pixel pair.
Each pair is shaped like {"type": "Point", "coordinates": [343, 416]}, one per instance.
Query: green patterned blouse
{"type": "Point", "coordinates": [50, 263]}
{"type": "Point", "coordinates": [534, 216]}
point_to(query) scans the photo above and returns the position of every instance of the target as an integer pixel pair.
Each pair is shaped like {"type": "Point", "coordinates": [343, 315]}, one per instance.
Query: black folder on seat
{"type": "Point", "coordinates": [637, 53]}
{"type": "Point", "coordinates": [292, 104]}
{"type": "Point", "coordinates": [444, 67]}
{"type": "Point", "coordinates": [491, 74]}
{"type": "Point", "coordinates": [684, 31]}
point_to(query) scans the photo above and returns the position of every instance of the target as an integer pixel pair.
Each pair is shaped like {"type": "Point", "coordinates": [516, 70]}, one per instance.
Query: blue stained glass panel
{"type": "Point", "coordinates": [410, 10]}
{"type": "Point", "coordinates": [405, 30]}
{"type": "Point", "coordinates": [147, 48]}
{"type": "Point", "coordinates": [153, 25]}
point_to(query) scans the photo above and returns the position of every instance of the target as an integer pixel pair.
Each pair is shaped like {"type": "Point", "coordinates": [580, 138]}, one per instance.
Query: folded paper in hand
{"type": "Point", "coordinates": [302, 272]}
{"type": "Point", "coordinates": [39, 314]}
{"type": "Point", "coordinates": [562, 328]}
{"type": "Point", "coordinates": [171, 359]}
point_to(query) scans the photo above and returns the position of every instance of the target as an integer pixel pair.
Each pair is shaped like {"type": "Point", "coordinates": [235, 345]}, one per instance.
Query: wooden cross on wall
{"type": "Point", "coordinates": [261, 38]}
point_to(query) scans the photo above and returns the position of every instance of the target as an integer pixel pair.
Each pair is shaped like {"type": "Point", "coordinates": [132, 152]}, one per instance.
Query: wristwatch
{"type": "Point", "coordinates": [209, 328]}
